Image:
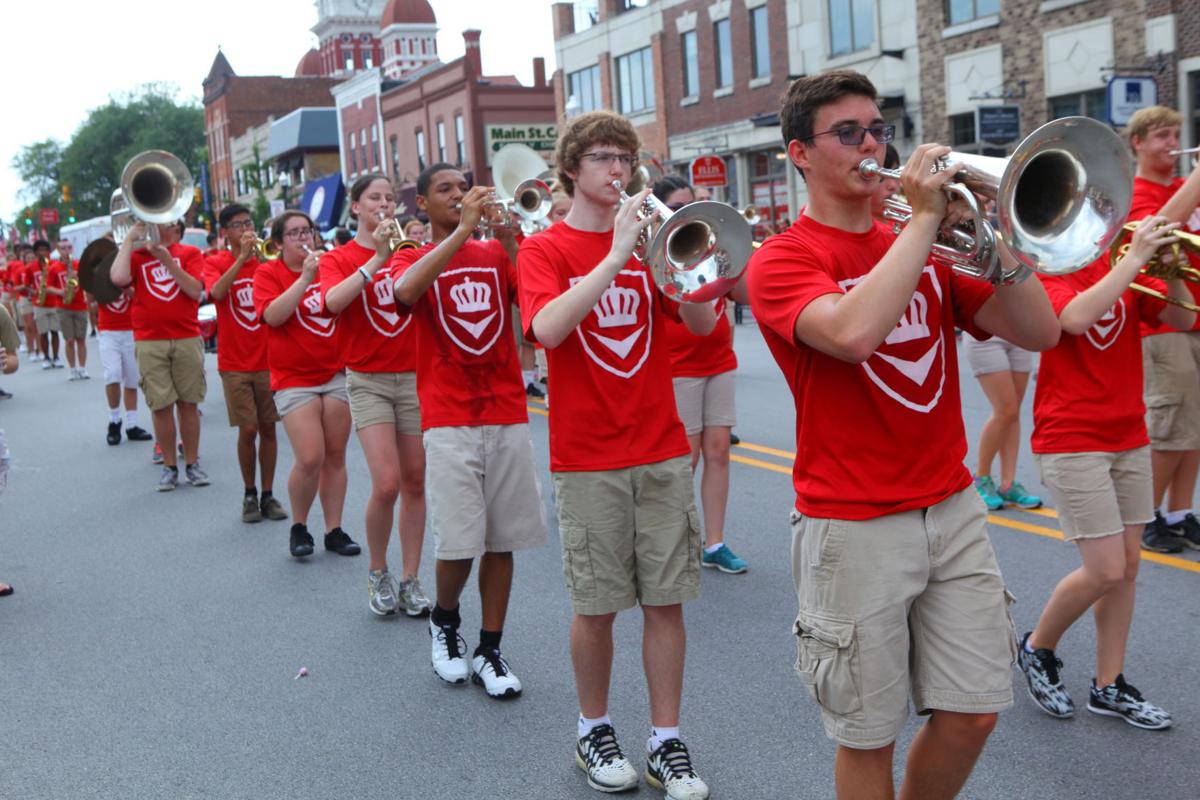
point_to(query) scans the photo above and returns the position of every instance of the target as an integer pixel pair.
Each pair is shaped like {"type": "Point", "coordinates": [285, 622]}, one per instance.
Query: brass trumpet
{"type": "Point", "coordinates": [396, 241]}
{"type": "Point", "coordinates": [266, 248]}
{"type": "Point", "coordinates": [1170, 262]}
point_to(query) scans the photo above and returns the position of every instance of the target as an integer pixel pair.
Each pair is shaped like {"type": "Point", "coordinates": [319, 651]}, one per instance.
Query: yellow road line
{"type": "Point", "coordinates": [543, 411]}
{"type": "Point", "coordinates": [1040, 530]}
{"type": "Point", "coordinates": [754, 462]}
{"type": "Point", "coordinates": [771, 451]}
{"type": "Point", "coordinates": [1041, 512]}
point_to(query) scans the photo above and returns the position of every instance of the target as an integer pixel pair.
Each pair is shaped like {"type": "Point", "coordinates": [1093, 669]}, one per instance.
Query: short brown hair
{"type": "Point", "coordinates": [806, 95]}
{"type": "Point", "coordinates": [585, 130]}
{"type": "Point", "coordinates": [1145, 120]}
{"type": "Point", "coordinates": [278, 223]}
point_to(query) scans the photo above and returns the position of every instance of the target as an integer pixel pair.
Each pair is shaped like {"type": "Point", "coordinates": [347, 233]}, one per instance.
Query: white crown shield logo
{"type": "Point", "coordinates": [914, 323]}
{"type": "Point", "coordinates": [245, 296]}
{"type": "Point", "coordinates": [160, 274]}
{"type": "Point", "coordinates": [313, 304]}
{"type": "Point", "coordinates": [617, 306]}
{"type": "Point", "coordinates": [383, 292]}
{"type": "Point", "coordinates": [470, 296]}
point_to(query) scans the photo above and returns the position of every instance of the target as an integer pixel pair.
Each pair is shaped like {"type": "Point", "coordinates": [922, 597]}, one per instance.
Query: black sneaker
{"type": "Point", "coordinates": [114, 433]}
{"type": "Point", "coordinates": [669, 768]}
{"type": "Point", "coordinates": [136, 434]}
{"type": "Point", "coordinates": [301, 541]}
{"type": "Point", "coordinates": [5, 395]}
{"type": "Point", "coordinates": [1157, 537]}
{"type": "Point", "coordinates": [1188, 531]}
{"type": "Point", "coordinates": [338, 541]}
{"type": "Point", "coordinates": [600, 757]}
{"type": "Point", "coordinates": [734, 438]}
{"type": "Point", "coordinates": [1045, 687]}
{"type": "Point", "coordinates": [532, 390]}
{"type": "Point", "coordinates": [1119, 699]}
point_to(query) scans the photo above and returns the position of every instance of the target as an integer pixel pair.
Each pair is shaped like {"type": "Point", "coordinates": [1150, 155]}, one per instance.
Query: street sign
{"type": "Point", "coordinates": [998, 124]}
{"type": "Point", "coordinates": [1127, 94]}
{"type": "Point", "coordinates": [48, 216]}
{"type": "Point", "coordinates": [541, 138]}
{"type": "Point", "coordinates": [709, 171]}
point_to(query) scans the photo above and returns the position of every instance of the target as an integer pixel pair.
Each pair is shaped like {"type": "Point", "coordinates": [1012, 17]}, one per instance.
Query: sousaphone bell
{"type": "Point", "coordinates": [156, 188]}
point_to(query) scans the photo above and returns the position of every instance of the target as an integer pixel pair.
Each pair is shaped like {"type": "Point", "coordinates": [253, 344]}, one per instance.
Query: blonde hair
{"type": "Point", "coordinates": [1145, 120]}
{"type": "Point", "coordinates": [585, 130]}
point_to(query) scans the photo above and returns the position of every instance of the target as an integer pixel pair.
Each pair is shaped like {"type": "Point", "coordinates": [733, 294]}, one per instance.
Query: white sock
{"type": "Point", "coordinates": [114, 415]}
{"type": "Point", "coordinates": [1028, 646]}
{"type": "Point", "coordinates": [130, 419]}
{"type": "Point", "coordinates": [660, 735]}
{"type": "Point", "coordinates": [587, 725]}
{"type": "Point", "coordinates": [712, 548]}
{"type": "Point", "coordinates": [1176, 517]}
{"type": "Point", "coordinates": [528, 375]}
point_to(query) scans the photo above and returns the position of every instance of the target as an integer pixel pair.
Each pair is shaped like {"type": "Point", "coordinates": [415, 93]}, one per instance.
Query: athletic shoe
{"type": "Point", "coordinates": [195, 475]}
{"type": "Point", "coordinates": [533, 390]}
{"type": "Point", "coordinates": [491, 671]}
{"type": "Point", "coordinates": [987, 490]}
{"type": "Point", "coordinates": [338, 541]}
{"type": "Point", "coordinates": [1119, 699]}
{"type": "Point", "coordinates": [600, 757]}
{"type": "Point", "coordinates": [156, 457]}
{"type": "Point", "coordinates": [723, 559]}
{"type": "Point", "coordinates": [136, 434]}
{"type": "Point", "coordinates": [734, 439]}
{"type": "Point", "coordinates": [1045, 687]}
{"type": "Point", "coordinates": [414, 601]}
{"type": "Point", "coordinates": [381, 593]}
{"type": "Point", "coordinates": [1020, 498]}
{"type": "Point", "coordinates": [669, 769]}
{"type": "Point", "coordinates": [1157, 537]}
{"type": "Point", "coordinates": [5, 395]}
{"type": "Point", "coordinates": [57, 364]}
{"type": "Point", "coordinates": [300, 541]}
{"type": "Point", "coordinates": [1188, 531]}
{"type": "Point", "coordinates": [114, 433]}
{"type": "Point", "coordinates": [272, 509]}
{"type": "Point", "coordinates": [83, 375]}
{"type": "Point", "coordinates": [447, 654]}
{"type": "Point", "coordinates": [74, 375]}
{"type": "Point", "coordinates": [47, 365]}
{"type": "Point", "coordinates": [250, 512]}
{"type": "Point", "coordinates": [168, 480]}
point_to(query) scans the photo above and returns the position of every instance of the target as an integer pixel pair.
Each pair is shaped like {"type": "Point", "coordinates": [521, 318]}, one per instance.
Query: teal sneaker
{"type": "Point", "coordinates": [987, 490]}
{"type": "Point", "coordinates": [724, 560]}
{"type": "Point", "coordinates": [1017, 495]}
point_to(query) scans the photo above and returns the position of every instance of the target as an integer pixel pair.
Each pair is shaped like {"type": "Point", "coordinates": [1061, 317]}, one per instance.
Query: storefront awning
{"type": "Point", "coordinates": [323, 199]}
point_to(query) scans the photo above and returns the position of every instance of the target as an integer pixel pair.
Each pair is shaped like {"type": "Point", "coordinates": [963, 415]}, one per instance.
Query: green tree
{"type": "Point", "coordinates": [38, 165]}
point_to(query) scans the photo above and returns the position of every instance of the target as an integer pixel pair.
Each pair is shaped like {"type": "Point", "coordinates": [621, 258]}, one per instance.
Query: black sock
{"type": "Point", "coordinates": [172, 467]}
{"type": "Point", "coordinates": [299, 527]}
{"type": "Point", "coordinates": [265, 495]}
{"type": "Point", "coordinates": [488, 640]}
{"type": "Point", "coordinates": [445, 619]}
{"type": "Point", "coordinates": [251, 491]}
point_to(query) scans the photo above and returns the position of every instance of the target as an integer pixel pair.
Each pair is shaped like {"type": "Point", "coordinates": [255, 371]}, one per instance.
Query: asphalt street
{"type": "Point", "coordinates": [151, 646]}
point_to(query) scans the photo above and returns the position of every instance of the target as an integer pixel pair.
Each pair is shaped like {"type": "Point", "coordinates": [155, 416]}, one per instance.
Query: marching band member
{"type": "Point", "coordinates": [619, 456]}
{"type": "Point", "coordinates": [46, 302]}
{"type": "Point", "coordinates": [888, 186]}
{"type": "Point", "coordinates": [22, 278]}
{"type": "Point", "coordinates": [119, 365]}
{"type": "Point", "coordinates": [899, 590]}
{"type": "Point", "coordinates": [484, 499]}
{"type": "Point", "coordinates": [242, 360]}
{"type": "Point", "coordinates": [381, 381]}
{"type": "Point", "coordinates": [307, 377]}
{"type": "Point", "coordinates": [167, 278]}
{"type": "Point", "coordinates": [73, 313]}
{"type": "Point", "coordinates": [1092, 449]}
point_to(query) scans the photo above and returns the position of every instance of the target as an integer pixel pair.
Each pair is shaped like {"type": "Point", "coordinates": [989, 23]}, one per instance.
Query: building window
{"type": "Point", "coordinates": [420, 150]}
{"type": "Point", "coordinates": [691, 64]}
{"type": "Point", "coordinates": [962, 129]}
{"type": "Point", "coordinates": [635, 77]}
{"type": "Point", "coordinates": [353, 154]}
{"type": "Point", "coordinates": [958, 11]}
{"type": "Point", "coordinates": [1092, 104]}
{"type": "Point", "coordinates": [441, 134]}
{"type": "Point", "coordinates": [584, 86]}
{"type": "Point", "coordinates": [851, 26]}
{"type": "Point", "coordinates": [348, 59]}
{"type": "Point", "coordinates": [460, 138]}
{"type": "Point", "coordinates": [724, 49]}
{"type": "Point", "coordinates": [395, 158]}
{"type": "Point", "coordinates": [368, 59]}
{"type": "Point", "coordinates": [363, 144]}
{"type": "Point", "coordinates": [1193, 83]}
{"type": "Point", "coordinates": [760, 42]}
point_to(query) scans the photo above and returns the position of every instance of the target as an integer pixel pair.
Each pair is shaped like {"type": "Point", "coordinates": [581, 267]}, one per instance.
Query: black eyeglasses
{"type": "Point", "coordinates": [300, 233]}
{"type": "Point", "coordinates": [854, 134]}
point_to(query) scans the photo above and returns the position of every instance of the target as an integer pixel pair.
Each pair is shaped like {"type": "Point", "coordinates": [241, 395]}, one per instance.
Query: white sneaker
{"type": "Point", "coordinates": [74, 375]}
{"type": "Point", "coordinates": [492, 672]}
{"type": "Point", "coordinates": [83, 375]}
{"type": "Point", "coordinates": [447, 654]}
{"type": "Point", "coordinates": [22, 349]}
{"type": "Point", "coordinates": [47, 365]}
{"type": "Point", "coordinates": [669, 768]}
{"type": "Point", "coordinates": [600, 757]}
{"type": "Point", "coordinates": [381, 593]}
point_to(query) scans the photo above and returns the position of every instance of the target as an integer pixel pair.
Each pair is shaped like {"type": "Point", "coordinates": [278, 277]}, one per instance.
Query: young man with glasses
{"type": "Point", "coordinates": [897, 583]}
{"type": "Point", "coordinates": [242, 360]}
{"type": "Point", "coordinates": [619, 455]}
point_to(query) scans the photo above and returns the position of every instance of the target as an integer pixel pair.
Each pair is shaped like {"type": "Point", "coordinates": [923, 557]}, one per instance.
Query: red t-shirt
{"type": "Point", "coordinates": [242, 335]}
{"type": "Point", "coordinates": [1089, 387]}
{"type": "Point", "coordinates": [35, 278]}
{"type": "Point", "coordinates": [885, 435]}
{"type": "Point", "coordinates": [160, 308]}
{"type": "Point", "coordinates": [116, 316]}
{"type": "Point", "coordinates": [1148, 198]}
{"type": "Point", "coordinates": [306, 350]}
{"type": "Point", "coordinates": [58, 280]}
{"type": "Point", "coordinates": [374, 331]}
{"type": "Point", "coordinates": [614, 406]}
{"type": "Point", "coordinates": [18, 278]}
{"type": "Point", "coordinates": [695, 356]}
{"type": "Point", "coordinates": [6, 276]}
{"type": "Point", "coordinates": [468, 372]}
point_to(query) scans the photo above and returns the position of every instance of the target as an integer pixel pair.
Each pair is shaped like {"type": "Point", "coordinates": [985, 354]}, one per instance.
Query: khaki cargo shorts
{"type": "Point", "coordinates": [483, 492]}
{"type": "Point", "coordinates": [171, 370]}
{"type": "Point", "coordinates": [995, 355]}
{"type": "Point", "coordinates": [24, 305]}
{"type": "Point", "coordinates": [73, 324]}
{"type": "Point", "coordinates": [629, 536]}
{"type": "Point", "coordinates": [46, 319]}
{"type": "Point", "coordinates": [1098, 494]}
{"type": "Point", "coordinates": [248, 398]}
{"type": "Point", "coordinates": [706, 402]}
{"type": "Point", "coordinates": [288, 400]}
{"type": "Point", "coordinates": [379, 397]}
{"type": "Point", "coordinates": [1171, 363]}
{"type": "Point", "coordinates": [912, 601]}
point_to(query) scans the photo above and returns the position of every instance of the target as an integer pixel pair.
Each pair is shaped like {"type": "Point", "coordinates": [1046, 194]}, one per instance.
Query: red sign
{"type": "Point", "coordinates": [48, 216]}
{"type": "Point", "coordinates": [709, 171]}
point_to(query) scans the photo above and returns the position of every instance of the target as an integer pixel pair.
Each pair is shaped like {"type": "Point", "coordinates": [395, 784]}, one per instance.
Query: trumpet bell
{"type": "Point", "coordinates": [700, 252]}
{"type": "Point", "coordinates": [532, 199]}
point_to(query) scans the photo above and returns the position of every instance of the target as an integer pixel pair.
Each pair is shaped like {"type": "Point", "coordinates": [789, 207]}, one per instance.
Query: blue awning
{"type": "Point", "coordinates": [323, 200]}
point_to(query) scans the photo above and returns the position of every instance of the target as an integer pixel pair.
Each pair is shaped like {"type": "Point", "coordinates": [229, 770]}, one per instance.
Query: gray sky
{"type": "Point", "coordinates": [71, 59]}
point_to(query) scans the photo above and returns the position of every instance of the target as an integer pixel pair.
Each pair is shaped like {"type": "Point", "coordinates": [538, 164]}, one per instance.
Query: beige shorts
{"type": "Point", "coordinates": [483, 492]}
{"type": "Point", "coordinates": [378, 397]}
{"type": "Point", "coordinates": [248, 399]}
{"type": "Point", "coordinates": [706, 402]}
{"type": "Point", "coordinates": [995, 355]}
{"type": "Point", "coordinates": [629, 536]}
{"type": "Point", "coordinates": [288, 400]}
{"type": "Point", "coordinates": [171, 370]}
{"type": "Point", "coordinates": [24, 306]}
{"type": "Point", "coordinates": [1171, 363]}
{"type": "Point", "coordinates": [73, 324]}
{"type": "Point", "coordinates": [1098, 494]}
{"type": "Point", "coordinates": [912, 601]}
{"type": "Point", "coordinates": [46, 319]}
{"type": "Point", "coordinates": [518, 330]}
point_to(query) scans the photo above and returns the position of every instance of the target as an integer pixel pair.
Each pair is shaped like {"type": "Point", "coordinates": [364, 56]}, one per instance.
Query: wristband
{"type": "Point", "coordinates": [366, 275]}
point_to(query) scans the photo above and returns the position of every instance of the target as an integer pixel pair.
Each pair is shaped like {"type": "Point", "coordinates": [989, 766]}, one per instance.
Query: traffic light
{"type": "Point", "coordinates": [196, 195]}
{"type": "Point", "coordinates": [29, 221]}
{"type": "Point", "coordinates": [66, 193]}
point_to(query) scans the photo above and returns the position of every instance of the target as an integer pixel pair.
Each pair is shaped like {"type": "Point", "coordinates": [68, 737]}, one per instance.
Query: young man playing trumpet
{"type": "Point", "coordinates": [899, 590]}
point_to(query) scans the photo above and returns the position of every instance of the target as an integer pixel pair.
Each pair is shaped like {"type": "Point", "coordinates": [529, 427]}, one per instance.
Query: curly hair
{"type": "Point", "coordinates": [585, 130]}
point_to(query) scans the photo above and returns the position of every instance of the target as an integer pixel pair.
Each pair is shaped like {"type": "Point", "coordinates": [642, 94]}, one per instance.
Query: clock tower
{"type": "Point", "coordinates": [348, 36]}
